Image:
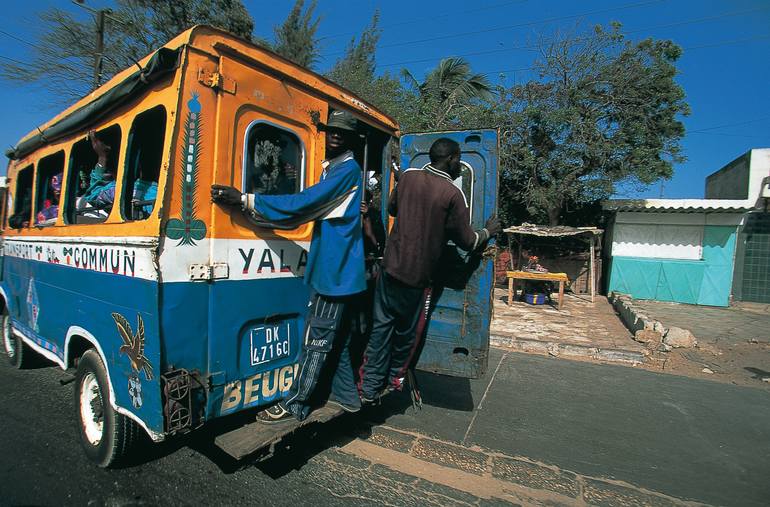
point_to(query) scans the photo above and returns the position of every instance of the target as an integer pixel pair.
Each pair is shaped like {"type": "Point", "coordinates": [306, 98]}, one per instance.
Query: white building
{"type": "Point", "coordinates": [700, 251]}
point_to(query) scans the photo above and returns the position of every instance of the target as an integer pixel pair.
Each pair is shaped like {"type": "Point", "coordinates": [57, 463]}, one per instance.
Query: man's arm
{"type": "Point", "coordinates": [393, 202]}
{"type": "Point", "coordinates": [289, 211]}
{"type": "Point", "coordinates": [460, 231]}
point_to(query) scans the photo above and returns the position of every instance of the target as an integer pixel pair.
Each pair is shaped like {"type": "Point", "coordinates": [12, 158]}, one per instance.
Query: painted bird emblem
{"type": "Point", "coordinates": [133, 344]}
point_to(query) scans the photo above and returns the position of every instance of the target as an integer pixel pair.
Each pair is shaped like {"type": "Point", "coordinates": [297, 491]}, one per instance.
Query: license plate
{"type": "Point", "coordinates": [270, 342]}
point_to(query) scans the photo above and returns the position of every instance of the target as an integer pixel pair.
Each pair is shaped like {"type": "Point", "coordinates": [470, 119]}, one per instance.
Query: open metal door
{"type": "Point", "coordinates": [457, 341]}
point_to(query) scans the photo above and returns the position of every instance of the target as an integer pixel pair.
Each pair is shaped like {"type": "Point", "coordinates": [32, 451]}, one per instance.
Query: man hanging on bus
{"type": "Point", "coordinates": [334, 271]}
{"type": "Point", "coordinates": [429, 210]}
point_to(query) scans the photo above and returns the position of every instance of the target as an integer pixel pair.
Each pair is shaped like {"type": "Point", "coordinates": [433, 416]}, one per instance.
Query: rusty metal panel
{"type": "Point", "coordinates": [457, 341]}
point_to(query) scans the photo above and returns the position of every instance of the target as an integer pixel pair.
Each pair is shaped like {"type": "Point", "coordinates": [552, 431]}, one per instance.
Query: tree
{"type": "Point", "coordinates": [296, 38]}
{"type": "Point", "coordinates": [63, 54]}
{"type": "Point", "coordinates": [603, 112]}
{"type": "Point", "coordinates": [449, 95]}
{"type": "Point", "coordinates": [355, 70]}
{"type": "Point", "coordinates": [169, 18]}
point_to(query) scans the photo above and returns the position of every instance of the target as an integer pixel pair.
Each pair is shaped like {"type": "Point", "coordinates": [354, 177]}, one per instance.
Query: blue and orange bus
{"type": "Point", "coordinates": [170, 311]}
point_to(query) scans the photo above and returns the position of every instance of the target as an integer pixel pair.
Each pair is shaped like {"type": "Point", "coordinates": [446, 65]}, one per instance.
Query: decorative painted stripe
{"type": "Point", "coordinates": [97, 254]}
{"type": "Point", "coordinates": [247, 259]}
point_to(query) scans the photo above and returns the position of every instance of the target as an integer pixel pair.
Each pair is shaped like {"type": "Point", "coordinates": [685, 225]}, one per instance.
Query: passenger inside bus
{"type": "Point", "coordinates": [97, 199]}
{"type": "Point", "coordinates": [50, 207]}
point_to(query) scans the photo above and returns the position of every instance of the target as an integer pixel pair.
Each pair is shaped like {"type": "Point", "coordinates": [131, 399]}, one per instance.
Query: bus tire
{"type": "Point", "coordinates": [15, 349]}
{"type": "Point", "coordinates": [108, 438]}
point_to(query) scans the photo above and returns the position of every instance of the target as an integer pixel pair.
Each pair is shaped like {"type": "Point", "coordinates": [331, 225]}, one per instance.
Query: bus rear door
{"type": "Point", "coordinates": [457, 341]}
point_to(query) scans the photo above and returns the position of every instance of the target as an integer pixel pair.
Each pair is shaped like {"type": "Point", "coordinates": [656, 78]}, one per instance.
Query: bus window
{"type": "Point", "coordinates": [22, 199]}
{"type": "Point", "coordinates": [91, 185]}
{"type": "Point", "coordinates": [49, 179]}
{"type": "Point", "coordinates": [145, 152]}
{"type": "Point", "coordinates": [273, 162]}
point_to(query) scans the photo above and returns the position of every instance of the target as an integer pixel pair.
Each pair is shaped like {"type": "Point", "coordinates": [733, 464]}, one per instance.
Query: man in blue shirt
{"type": "Point", "coordinates": [335, 265]}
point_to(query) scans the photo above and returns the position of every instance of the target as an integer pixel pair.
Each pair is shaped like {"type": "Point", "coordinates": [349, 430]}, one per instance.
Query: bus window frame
{"type": "Point", "coordinates": [37, 185]}
{"type": "Point", "coordinates": [16, 201]}
{"type": "Point", "coordinates": [124, 213]}
{"type": "Point", "coordinates": [72, 184]}
{"type": "Point", "coordinates": [303, 159]}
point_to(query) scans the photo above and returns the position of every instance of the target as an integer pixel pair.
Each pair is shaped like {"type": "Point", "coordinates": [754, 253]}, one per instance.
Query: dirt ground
{"type": "Point", "coordinates": [733, 343]}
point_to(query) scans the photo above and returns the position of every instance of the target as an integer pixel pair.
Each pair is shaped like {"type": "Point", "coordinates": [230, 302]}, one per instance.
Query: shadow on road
{"type": "Point", "coordinates": [758, 374]}
{"type": "Point", "coordinates": [297, 448]}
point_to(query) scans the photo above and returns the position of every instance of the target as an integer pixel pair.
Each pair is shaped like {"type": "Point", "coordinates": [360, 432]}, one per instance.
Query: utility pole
{"type": "Point", "coordinates": [100, 15]}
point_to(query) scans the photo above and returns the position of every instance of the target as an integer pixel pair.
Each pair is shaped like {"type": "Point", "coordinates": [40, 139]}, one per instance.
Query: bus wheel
{"type": "Point", "coordinates": [14, 346]}
{"type": "Point", "coordinates": [107, 436]}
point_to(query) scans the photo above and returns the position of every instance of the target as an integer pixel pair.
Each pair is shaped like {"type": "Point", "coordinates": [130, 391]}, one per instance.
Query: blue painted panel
{"type": "Point", "coordinates": [634, 276]}
{"type": "Point", "coordinates": [45, 299]}
{"type": "Point", "coordinates": [704, 282]}
{"type": "Point", "coordinates": [234, 307]}
{"type": "Point", "coordinates": [718, 254]}
{"type": "Point", "coordinates": [659, 279]}
{"type": "Point", "coordinates": [457, 341]}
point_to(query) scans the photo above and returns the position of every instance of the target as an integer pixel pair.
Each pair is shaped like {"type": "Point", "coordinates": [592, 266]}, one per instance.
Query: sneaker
{"type": "Point", "coordinates": [275, 414]}
{"type": "Point", "coordinates": [377, 398]}
{"type": "Point", "coordinates": [344, 406]}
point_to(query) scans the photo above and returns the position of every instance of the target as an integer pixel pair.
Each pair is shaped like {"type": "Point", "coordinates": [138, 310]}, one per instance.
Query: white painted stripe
{"type": "Point", "coordinates": [138, 241]}
{"type": "Point", "coordinates": [248, 259]}
{"type": "Point", "coordinates": [40, 350]}
{"type": "Point", "coordinates": [342, 208]}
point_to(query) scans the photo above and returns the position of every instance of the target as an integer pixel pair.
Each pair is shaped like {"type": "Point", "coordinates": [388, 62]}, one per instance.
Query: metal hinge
{"type": "Point", "coordinates": [214, 271]}
{"type": "Point", "coordinates": [217, 81]}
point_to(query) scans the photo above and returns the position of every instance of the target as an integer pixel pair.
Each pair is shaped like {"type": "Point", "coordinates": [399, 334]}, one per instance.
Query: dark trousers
{"type": "Point", "coordinates": [325, 356]}
{"type": "Point", "coordinates": [392, 344]}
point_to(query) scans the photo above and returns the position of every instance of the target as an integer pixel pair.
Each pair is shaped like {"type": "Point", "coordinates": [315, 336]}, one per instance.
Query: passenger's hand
{"type": "Point", "coordinates": [100, 147]}
{"type": "Point", "coordinates": [493, 225]}
{"type": "Point", "coordinates": [222, 194]}
{"type": "Point", "coordinates": [364, 208]}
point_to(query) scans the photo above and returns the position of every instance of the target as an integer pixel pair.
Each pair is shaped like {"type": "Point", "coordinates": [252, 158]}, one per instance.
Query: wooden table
{"type": "Point", "coordinates": [526, 275]}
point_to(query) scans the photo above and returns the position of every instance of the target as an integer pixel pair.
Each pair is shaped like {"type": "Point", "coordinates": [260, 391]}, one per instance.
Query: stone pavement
{"type": "Point", "coordinates": [581, 330]}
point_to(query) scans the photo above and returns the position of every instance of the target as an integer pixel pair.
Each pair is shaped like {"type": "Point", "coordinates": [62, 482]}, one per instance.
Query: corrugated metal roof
{"type": "Point", "coordinates": [679, 205]}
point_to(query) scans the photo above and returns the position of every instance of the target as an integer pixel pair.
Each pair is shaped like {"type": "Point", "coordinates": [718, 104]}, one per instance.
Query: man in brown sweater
{"type": "Point", "coordinates": [429, 211]}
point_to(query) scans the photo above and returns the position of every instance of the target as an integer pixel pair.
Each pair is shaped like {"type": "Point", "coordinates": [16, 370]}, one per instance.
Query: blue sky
{"type": "Point", "coordinates": [725, 69]}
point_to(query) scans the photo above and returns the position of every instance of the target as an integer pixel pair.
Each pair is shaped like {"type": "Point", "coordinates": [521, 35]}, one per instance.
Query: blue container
{"type": "Point", "coordinates": [535, 299]}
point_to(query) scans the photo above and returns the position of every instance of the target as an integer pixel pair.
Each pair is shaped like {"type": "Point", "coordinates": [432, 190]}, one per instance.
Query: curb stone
{"type": "Point", "coordinates": [572, 488]}
{"type": "Point", "coordinates": [567, 350]}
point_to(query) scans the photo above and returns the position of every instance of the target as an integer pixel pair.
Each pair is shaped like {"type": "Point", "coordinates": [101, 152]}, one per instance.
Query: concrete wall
{"type": "Point", "coordinates": [742, 178]}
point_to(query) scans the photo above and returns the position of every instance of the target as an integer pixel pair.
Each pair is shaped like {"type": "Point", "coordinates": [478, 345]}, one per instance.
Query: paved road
{"type": "Point", "coordinates": [534, 430]}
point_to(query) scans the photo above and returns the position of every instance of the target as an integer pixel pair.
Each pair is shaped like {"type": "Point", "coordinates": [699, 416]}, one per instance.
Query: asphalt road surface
{"type": "Point", "coordinates": [533, 431]}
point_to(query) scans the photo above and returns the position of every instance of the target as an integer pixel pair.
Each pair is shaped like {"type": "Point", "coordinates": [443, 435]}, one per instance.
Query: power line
{"type": "Point", "coordinates": [533, 46]}
{"type": "Point", "coordinates": [734, 41]}
{"type": "Point", "coordinates": [518, 25]}
{"type": "Point", "coordinates": [12, 36]}
{"type": "Point", "coordinates": [13, 60]}
{"type": "Point", "coordinates": [431, 18]}
{"type": "Point", "coordinates": [703, 130]}
{"type": "Point", "coordinates": [688, 48]}
{"type": "Point", "coordinates": [767, 137]}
